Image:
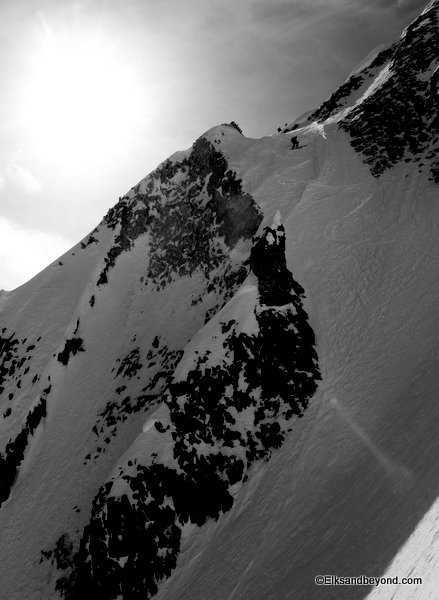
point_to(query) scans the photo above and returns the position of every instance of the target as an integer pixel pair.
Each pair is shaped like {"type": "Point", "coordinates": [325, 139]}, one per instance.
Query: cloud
{"type": "Point", "coordinates": [21, 177]}
{"type": "Point", "coordinates": [25, 252]}
{"type": "Point", "coordinates": [15, 173]}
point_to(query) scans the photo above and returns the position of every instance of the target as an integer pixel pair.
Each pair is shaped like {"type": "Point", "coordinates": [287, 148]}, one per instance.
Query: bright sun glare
{"type": "Point", "coordinates": [82, 100]}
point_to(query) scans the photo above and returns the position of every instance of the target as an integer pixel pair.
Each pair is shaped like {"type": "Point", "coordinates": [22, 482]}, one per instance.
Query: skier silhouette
{"type": "Point", "coordinates": [295, 142]}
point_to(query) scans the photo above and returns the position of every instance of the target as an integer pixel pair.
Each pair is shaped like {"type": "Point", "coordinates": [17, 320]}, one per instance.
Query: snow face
{"type": "Point", "coordinates": [417, 559]}
{"type": "Point", "coordinates": [230, 405]}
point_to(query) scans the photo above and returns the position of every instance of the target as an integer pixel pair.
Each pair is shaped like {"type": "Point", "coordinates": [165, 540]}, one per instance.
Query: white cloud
{"type": "Point", "coordinates": [22, 178]}
{"type": "Point", "coordinates": [25, 252]}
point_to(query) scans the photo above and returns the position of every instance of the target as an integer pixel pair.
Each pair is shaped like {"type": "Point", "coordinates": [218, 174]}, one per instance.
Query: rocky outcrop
{"type": "Point", "coordinates": [398, 120]}
{"type": "Point", "coordinates": [13, 454]}
{"type": "Point", "coordinates": [193, 211]}
{"type": "Point", "coordinates": [71, 347]}
{"type": "Point", "coordinates": [15, 363]}
{"type": "Point", "coordinates": [15, 360]}
{"type": "Point", "coordinates": [342, 96]}
{"type": "Point", "coordinates": [203, 216]}
{"type": "Point", "coordinates": [132, 223]}
{"type": "Point", "coordinates": [268, 263]}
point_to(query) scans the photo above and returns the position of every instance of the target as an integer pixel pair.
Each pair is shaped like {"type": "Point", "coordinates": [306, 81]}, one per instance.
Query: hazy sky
{"type": "Point", "coordinates": [96, 93]}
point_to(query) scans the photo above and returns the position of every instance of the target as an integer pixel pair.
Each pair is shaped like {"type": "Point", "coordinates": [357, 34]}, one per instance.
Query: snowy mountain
{"type": "Point", "coordinates": [230, 386]}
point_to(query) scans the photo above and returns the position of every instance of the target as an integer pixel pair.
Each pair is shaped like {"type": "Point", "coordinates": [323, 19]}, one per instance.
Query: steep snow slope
{"type": "Point", "coordinates": [350, 485]}
{"type": "Point", "coordinates": [230, 386]}
{"type": "Point", "coordinates": [88, 344]}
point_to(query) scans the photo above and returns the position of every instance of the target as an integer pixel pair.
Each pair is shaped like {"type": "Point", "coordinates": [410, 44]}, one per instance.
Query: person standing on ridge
{"type": "Point", "coordinates": [295, 142]}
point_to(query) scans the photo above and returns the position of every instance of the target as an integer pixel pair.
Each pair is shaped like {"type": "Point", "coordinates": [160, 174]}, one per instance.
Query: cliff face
{"type": "Point", "coordinates": [389, 108]}
{"type": "Point", "coordinates": [230, 404]}
{"type": "Point", "coordinates": [98, 334]}
{"type": "Point", "coordinates": [232, 380]}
